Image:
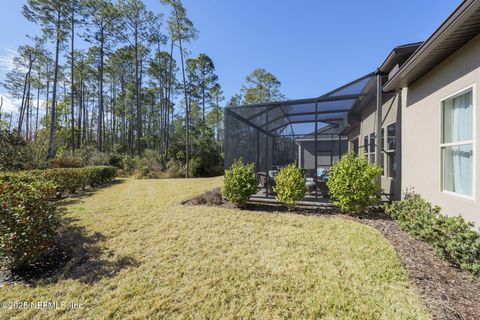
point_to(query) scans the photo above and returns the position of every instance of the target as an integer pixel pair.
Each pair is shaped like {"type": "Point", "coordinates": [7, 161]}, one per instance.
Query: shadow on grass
{"type": "Point", "coordinates": [74, 198]}
{"type": "Point", "coordinates": [77, 254]}
{"type": "Point", "coordinates": [87, 259]}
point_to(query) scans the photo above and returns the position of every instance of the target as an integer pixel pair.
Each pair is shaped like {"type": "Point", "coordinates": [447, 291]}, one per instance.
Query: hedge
{"type": "Point", "coordinates": [28, 219]}
{"type": "Point", "coordinates": [28, 222]}
{"type": "Point", "coordinates": [65, 179]}
{"type": "Point", "coordinates": [451, 237]}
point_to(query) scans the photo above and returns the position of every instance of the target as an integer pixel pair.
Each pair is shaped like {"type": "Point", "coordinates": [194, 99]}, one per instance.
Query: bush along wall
{"type": "Point", "coordinates": [353, 184]}
{"type": "Point", "coordinates": [452, 237]}
{"type": "Point", "coordinates": [65, 179]}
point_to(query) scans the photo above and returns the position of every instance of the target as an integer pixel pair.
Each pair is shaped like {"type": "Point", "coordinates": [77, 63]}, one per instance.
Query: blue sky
{"type": "Point", "coordinates": [311, 46]}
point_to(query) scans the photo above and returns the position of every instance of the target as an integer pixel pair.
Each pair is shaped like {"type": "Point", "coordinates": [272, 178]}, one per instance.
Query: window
{"type": "Point", "coordinates": [390, 151]}
{"type": "Point", "coordinates": [457, 144]}
{"type": "Point", "coordinates": [371, 148]}
{"type": "Point", "coordinates": [382, 155]}
{"type": "Point", "coordinates": [354, 146]}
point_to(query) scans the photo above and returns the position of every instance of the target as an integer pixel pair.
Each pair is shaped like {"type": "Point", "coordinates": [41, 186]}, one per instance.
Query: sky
{"type": "Point", "coordinates": [312, 46]}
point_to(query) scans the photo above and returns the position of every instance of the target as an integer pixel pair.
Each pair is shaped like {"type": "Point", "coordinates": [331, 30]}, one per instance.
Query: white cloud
{"type": "Point", "coordinates": [6, 60]}
{"type": "Point", "coordinates": [10, 104]}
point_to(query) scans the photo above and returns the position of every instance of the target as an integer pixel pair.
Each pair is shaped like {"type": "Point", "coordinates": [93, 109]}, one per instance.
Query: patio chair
{"type": "Point", "coordinates": [263, 179]}
{"type": "Point", "coordinates": [322, 178]}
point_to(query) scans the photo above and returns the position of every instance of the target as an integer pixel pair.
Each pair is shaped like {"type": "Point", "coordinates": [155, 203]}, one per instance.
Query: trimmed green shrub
{"type": "Point", "coordinates": [65, 179]}
{"type": "Point", "coordinates": [289, 185]}
{"type": "Point", "coordinates": [240, 182]}
{"type": "Point", "coordinates": [28, 222]}
{"type": "Point", "coordinates": [452, 237]}
{"type": "Point", "coordinates": [99, 175]}
{"type": "Point", "coordinates": [353, 183]}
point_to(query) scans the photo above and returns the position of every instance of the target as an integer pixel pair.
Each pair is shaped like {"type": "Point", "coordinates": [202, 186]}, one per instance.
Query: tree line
{"type": "Point", "coordinates": [105, 73]}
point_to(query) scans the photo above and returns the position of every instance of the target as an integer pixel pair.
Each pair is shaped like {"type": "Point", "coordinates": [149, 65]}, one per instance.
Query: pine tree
{"type": "Point", "coordinates": [52, 16]}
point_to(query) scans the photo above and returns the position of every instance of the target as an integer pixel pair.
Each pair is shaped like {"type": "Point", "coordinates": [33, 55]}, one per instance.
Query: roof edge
{"type": "Point", "coordinates": [423, 50]}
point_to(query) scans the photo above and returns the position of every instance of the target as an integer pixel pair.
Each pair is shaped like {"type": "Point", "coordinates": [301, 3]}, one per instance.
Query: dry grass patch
{"type": "Point", "coordinates": [150, 257]}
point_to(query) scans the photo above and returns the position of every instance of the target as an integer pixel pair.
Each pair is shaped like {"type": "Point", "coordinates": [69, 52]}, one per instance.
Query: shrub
{"type": "Point", "coordinates": [414, 215]}
{"type": "Point", "coordinates": [289, 185]}
{"type": "Point", "coordinates": [65, 179]}
{"type": "Point", "coordinates": [149, 166]}
{"type": "Point", "coordinates": [240, 182]}
{"type": "Point", "coordinates": [452, 237]}
{"type": "Point", "coordinates": [66, 162]}
{"type": "Point", "coordinates": [115, 160]}
{"type": "Point", "coordinates": [353, 183]}
{"type": "Point", "coordinates": [15, 152]}
{"type": "Point", "coordinates": [91, 157]}
{"type": "Point", "coordinates": [128, 164]}
{"type": "Point", "coordinates": [98, 175]}
{"type": "Point", "coordinates": [175, 169]}
{"type": "Point", "coordinates": [28, 222]}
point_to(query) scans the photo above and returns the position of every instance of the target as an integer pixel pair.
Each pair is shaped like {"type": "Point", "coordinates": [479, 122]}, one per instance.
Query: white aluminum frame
{"type": "Point", "coordinates": [471, 88]}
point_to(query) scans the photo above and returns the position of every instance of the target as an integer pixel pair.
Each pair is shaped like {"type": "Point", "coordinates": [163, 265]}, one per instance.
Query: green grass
{"type": "Point", "coordinates": [146, 256]}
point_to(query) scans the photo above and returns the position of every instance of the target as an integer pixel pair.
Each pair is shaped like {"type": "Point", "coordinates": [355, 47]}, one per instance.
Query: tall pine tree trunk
{"type": "Point", "coordinates": [187, 115]}
{"type": "Point", "coordinates": [36, 116]}
{"type": "Point", "coordinates": [137, 96]}
{"type": "Point", "coordinates": [72, 99]}
{"type": "Point", "coordinates": [100, 96]}
{"type": "Point", "coordinates": [51, 141]}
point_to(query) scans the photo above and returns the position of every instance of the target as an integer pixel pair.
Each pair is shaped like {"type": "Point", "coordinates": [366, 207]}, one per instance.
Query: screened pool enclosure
{"type": "Point", "coordinates": [306, 131]}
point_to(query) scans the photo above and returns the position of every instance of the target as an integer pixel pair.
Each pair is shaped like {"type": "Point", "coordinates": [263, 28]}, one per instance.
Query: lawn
{"type": "Point", "coordinates": [140, 254]}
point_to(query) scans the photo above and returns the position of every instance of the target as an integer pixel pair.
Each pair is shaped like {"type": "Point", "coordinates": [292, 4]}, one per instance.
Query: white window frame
{"type": "Point", "coordinates": [386, 170]}
{"type": "Point", "coordinates": [471, 88]}
{"type": "Point", "coordinates": [369, 153]}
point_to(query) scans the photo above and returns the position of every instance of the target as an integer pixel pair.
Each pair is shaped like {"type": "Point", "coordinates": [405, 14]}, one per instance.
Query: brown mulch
{"type": "Point", "coordinates": [447, 291]}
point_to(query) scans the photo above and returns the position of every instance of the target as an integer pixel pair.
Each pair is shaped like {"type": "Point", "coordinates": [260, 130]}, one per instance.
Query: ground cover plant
{"type": "Point", "coordinates": [214, 262]}
{"type": "Point", "coordinates": [452, 237]}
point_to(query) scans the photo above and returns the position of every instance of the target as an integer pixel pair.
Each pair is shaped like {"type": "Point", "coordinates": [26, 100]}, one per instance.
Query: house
{"type": "Point", "coordinates": [435, 91]}
{"type": "Point", "coordinates": [415, 116]}
{"type": "Point", "coordinates": [330, 147]}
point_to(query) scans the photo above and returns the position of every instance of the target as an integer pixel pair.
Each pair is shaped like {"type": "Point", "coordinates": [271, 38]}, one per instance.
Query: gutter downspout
{"type": "Point", "coordinates": [378, 121]}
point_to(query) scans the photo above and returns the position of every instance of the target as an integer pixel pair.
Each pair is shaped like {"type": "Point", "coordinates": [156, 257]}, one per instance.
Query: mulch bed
{"type": "Point", "coordinates": [447, 291]}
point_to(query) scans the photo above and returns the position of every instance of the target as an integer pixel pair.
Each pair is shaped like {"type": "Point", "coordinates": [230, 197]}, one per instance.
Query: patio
{"type": "Point", "coordinates": [306, 131]}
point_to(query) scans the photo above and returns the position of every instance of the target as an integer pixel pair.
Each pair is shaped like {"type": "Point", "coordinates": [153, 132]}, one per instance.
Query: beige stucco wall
{"type": "Point", "coordinates": [421, 127]}
{"type": "Point", "coordinates": [367, 126]}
